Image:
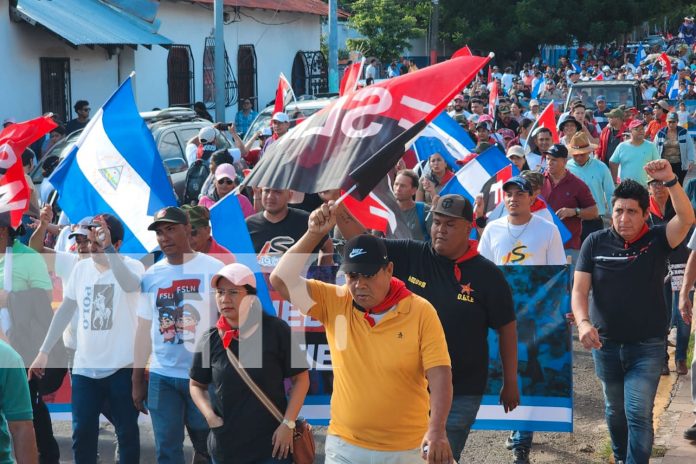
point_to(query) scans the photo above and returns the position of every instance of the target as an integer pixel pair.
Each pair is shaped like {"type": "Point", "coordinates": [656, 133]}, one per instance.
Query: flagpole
{"type": "Point", "coordinates": [534, 126]}
{"type": "Point", "coordinates": [345, 195]}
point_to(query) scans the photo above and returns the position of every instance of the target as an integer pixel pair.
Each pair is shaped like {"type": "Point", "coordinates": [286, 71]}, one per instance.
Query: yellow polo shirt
{"type": "Point", "coordinates": [380, 399]}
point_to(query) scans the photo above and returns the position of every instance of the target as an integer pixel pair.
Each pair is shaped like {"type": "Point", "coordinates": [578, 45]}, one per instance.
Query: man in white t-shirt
{"type": "Point", "coordinates": [174, 312]}
{"type": "Point", "coordinates": [521, 238]}
{"type": "Point", "coordinates": [104, 290]}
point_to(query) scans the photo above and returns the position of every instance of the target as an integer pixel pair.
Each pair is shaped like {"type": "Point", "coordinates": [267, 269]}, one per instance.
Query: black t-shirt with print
{"type": "Point", "coordinates": [627, 303]}
{"type": "Point", "coordinates": [480, 300]}
{"type": "Point", "coordinates": [248, 427]}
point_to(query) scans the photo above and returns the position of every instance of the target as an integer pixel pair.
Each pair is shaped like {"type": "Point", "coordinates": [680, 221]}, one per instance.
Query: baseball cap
{"type": "Point", "coordinates": [169, 214]}
{"type": "Point", "coordinates": [485, 124]}
{"type": "Point", "coordinates": [647, 110]}
{"type": "Point", "coordinates": [81, 228]}
{"type": "Point", "coordinates": [506, 133]}
{"type": "Point", "coordinates": [558, 151]}
{"type": "Point", "coordinates": [636, 123]}
{"type": "Point", "coordinates": [114, 225]}
{"type": "Point", "coordinates": [9, 121]}
{"type": "Point", "coordinates": [455, 206]}
{"type": "Point", "coordinates": [364, 254]}
{"type": "Point", "coordinates": [199, 216]}
{"type": "Point", "coordinates": [280, 117]}
{"type": "Point", "coordinates": [663, 104]}
{"type": "Point", "coordinates": [616, 113]}
{"type": "Point", "coordinates": [225, 170]}
{"type": "Point", "coordinates": [515, 150]}
{"type": "Point", "coordinates": [600, 98]}
{"type": "Point", "coordinates": [206, 134]}
{"type": "Point", "coordinates": [236, 273]}
{"type": "Point", "coordinates": [522, 183]}
{"type": "Point", "coordinates": [533, 102]}
{"type": "Point", "coordinates": [505, 110]}
{"type": "Point", "coordinates": [672, 117]}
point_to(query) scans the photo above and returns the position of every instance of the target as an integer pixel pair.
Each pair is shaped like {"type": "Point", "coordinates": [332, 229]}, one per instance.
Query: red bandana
{"type": "Point", "coordinates": [470, 253]}
{"type": "Point", "coordinates": [228, 332]}
{"type": "Point", "coordinates": [538, 205]}
{"type": "Point", "coordinates": [642, 232]}
{"type": "Point", "coordinates": [397, 292]}
{"type": "Point", "coordinates": [655, 208]}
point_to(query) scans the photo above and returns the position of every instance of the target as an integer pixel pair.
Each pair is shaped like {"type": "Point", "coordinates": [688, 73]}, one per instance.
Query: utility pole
{"type": "Point", "coordinates": [333, 46]}
{"type": "Point", "coordinates": [219, 57]}
{"type": "Point", "coordinates": [434, 20]}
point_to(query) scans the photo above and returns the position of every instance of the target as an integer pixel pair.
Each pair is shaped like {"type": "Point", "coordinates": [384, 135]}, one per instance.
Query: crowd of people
{"type": "Point", "coordinates": [178, 334]}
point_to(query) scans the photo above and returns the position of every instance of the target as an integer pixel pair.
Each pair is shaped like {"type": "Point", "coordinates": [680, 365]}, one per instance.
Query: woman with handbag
{"type": "Point", "coordinates": [246, 358]}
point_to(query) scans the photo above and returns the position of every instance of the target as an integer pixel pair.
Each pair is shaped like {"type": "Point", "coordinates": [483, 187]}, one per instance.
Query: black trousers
{"type": "Point", "coordinates": [49, 453]}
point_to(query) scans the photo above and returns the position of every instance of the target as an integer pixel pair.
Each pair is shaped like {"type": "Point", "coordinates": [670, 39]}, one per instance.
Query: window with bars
{"type": "Point", "coordinates": [246, 68]}
{"type": "Point", "coordinates": [209, 77]}
{"type": "Point", "coordinates": [55, 87]}
{"type": "Point", "coordinates": [180, 76]}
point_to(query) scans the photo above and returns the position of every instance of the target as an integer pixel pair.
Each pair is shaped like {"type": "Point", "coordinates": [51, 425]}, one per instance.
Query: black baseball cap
{"type": "Point", "coordinates": [171, 215]}
{"type": "Point", "coordinates": [455, 206]}
{"type": "Point", "coordinates": [520, 182]}
{"type": "Point", "coordinates": [364, 254]}
{"type": "Point", "coordinates": [558, 151]}
{"type": "Point", "coordinates": [114, 225]}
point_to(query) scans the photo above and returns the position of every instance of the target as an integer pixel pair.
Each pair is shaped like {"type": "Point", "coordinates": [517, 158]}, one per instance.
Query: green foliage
{"type": "Point", "coordinates": [387, 25]}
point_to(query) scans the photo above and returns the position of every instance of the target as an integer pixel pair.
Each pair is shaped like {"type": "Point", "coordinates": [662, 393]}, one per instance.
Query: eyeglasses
{"type": "Point", "coordinates": [357, 275]}
{"type": "Point", "coordinates": [225, 181]}
{"type": "Point", "coordinates": [221, 292]}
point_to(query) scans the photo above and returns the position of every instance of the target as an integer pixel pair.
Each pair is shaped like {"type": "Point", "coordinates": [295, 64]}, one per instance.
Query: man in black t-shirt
{"type": "Point", "coordinates": [626, 323]}
{"type": "Point", "coordinates": [274, 230]}
{"type": "Point", "coordinates": [470, 295]}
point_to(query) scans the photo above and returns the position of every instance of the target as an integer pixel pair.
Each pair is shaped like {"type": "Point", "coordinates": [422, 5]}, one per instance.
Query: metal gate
{"type": "Point", "coordinates": [246, 68]}
{"type": "Point", "coordinates": [55, 87]}
{"type": "Point", "coordinates": [209, 77]}
{"type": "Point", "coordinates": [309, 73]}
{"type": "Point", "coordinates": [180, 76]}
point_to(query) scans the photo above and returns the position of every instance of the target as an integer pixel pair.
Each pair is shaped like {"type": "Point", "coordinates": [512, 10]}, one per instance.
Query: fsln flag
{"type": "Point", "coordinates": [14, 139]}
{"type": "Point", "coordinates": [115, 168]}
{"type": "Point", "coordinates": [349, 82]}
{"type": "Point", "coordinates": [598, 77]}
{"type": "Point", "coordinates": [446, 137]}
{"type": "Point", "coordinates": [464, 51]}
{"type": "Point", "coordinates": [316, 155]}
{"type": "Point", "coordinates": [547, 119]}
{"type": "Point", "coordinates": [229, 229]}
{"type": "Point", "coordinates": [379, 211]}
{"type": "Point", "coordinates": [284, 94]}
{"type": "Point", "coordinates": [470, 179]}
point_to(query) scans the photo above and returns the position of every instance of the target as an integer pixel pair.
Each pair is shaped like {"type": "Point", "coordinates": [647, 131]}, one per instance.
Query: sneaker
{"type": "Point", "coordinates": [665, 369]}
{"type": "Point", "coordinates": [681, 367]}
{"type": "Point", "coordinates": [508, 442]}
{"type": "Point", "coordinates": [521, 456]}
{"type": "Point", "coordinates": [672, 337]}
{"type": "Point", "coordinates": [690, 433]}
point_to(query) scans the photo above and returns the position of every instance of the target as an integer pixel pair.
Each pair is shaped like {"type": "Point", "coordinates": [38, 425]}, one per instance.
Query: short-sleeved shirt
{"type": "Point", "coordinates": [28, 269]}
{"type": "Point", "coordinates": [468, 307]}
{"type": "Point", "coordinates": [272, 239]}
{"type": "Point", "coordinates": [569, 192]}
{"type": "Point", "coordinates": [248, 427]}
{"type": "Point", "coordinates": [632, 159]}
{"type": "Point", "coordinates": [627, 284]}
{"type": "Point", "coordinates": [535, 243]}
{"type": "Point", "coordinates": [15, 403]}
{"type": "Point", "coordinates": [176, 298]}
{"type": "Point", "coordinates": [380, 395]}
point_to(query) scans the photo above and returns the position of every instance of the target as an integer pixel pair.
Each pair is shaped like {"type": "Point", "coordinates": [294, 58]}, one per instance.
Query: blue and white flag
{"type": "Point", "coordinates": [673, 87]}
{"type": "Point", "coordinates": [445, 136]}
{"type": "Point", "coordinates": [537, 88]}
{"type": "Point", "coordinates": [229, 229]}
{"type": "Point", "coordinates": [576, 66]}
{"type": "Point", "coordinates": [471, 178]}
{"type": "Point", "coordinates": [115, 168]}
{"type": "Point", "coordinates": [640, 55]}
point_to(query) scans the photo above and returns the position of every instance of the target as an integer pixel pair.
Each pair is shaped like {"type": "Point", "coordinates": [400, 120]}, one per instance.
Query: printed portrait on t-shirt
{"type": "Point", "coordinates": [102, 314]}
{"type": "Point", "coordinates": [177, 315]}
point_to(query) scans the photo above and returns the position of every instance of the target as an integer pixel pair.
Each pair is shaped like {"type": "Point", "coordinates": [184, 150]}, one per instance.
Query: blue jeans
{"type": "Point", "coordinates": [171, 408]}
{"type": "Point", "coordinates": [683, 330]}
{"type": "Point", "coordinates": [88, 397]}
{"type": "Point", "coordinates": [461, 417]}
{"type": "Point", "coordinates": [629, 373]}
{"type": "Point", "coordinates": [521, 439]}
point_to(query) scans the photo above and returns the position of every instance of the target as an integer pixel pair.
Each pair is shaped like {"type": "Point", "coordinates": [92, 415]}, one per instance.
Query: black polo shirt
{"type": "Point", "coordinates": [480, 300]}
{"type": "Point", "coordinates": [627, 303]}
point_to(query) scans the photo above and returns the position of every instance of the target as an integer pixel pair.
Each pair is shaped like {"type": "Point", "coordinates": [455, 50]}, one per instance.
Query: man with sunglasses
{"type": "Point", "coordinates": [181, 278]}
{"type": "Point", "coordinates": [104, 290]}
{"type": "Point", "coordinates": [82, 110]}
{"type": "Point", "coordinates": [387, 347]}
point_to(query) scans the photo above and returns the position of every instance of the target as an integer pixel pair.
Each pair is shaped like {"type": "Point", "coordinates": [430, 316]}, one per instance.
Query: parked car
{"type": "Point", "coordinates": [617, 93]}
{"type": "Point", "coordinates": [171, 128]}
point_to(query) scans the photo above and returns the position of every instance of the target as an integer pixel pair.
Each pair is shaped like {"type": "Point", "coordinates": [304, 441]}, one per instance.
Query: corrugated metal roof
{"type": "Point", "coordinates": [315, 7]}
{"type": "Point", "coordinates": [90, 22]}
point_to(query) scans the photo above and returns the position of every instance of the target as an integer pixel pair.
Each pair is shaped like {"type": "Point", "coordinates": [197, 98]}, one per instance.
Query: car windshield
{"type": "Point", "coordinates": [263, 120]}
{"type": "Point", "coordinates": [60, 150]}
{"type": "Point", "coordinates": [615, 96]}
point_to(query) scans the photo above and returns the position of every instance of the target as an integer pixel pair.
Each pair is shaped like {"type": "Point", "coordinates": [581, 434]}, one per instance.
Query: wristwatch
{"type": "Point", "coordinates": [671, 183]}
{"type": "Point", "coordinates": [289, 423]}
{"type": "Point", "coordinates": [577, 212]}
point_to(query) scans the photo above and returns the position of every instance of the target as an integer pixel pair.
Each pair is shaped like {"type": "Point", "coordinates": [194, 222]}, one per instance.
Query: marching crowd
{"type": "Point", "coordinates": [184, 336]}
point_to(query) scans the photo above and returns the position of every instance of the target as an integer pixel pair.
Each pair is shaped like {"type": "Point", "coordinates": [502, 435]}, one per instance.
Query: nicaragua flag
{"type": "Point", "coordinates": [673, 87]}
{"type": "Point", "coordinates": [537, 87]}
{"type": "Point", "coordinates": [471, 178]}
{"type": "Point", "coordinates": [229, 229]}
{"type": "Point", "coordinates": [640, 55]}
{"type": "Point", "coordinates": [445, 136]}
{"type": "Point", "coordinates": [115, 168]}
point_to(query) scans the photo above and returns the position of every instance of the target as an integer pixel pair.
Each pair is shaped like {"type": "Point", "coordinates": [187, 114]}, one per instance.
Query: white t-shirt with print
{"type": "Point", "coordinates": [536, 243]}
{"type": "Point", "coordinates": [176, 298]}
{"type": "Point", "coordinates": [106, 318]}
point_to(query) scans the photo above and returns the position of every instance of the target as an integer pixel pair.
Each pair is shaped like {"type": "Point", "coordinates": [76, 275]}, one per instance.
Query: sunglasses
{"type": "Point", "coordinates": [225, 181]}
{"type": "Point", "coordinates": [357, 275]}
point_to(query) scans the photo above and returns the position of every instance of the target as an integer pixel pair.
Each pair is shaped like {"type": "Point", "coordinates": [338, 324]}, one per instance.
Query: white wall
{"type": "Point", "coordinates": [184, 23]}
{"type": "Point", "coordinates": [93, 76]}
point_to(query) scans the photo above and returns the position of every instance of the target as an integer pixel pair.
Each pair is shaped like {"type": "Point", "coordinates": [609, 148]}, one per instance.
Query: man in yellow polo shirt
{"type": "Point", "coordinates": [387, 348]}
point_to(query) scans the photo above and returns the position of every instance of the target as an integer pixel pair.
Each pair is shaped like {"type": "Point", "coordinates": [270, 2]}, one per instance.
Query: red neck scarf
{"type": "Point", "coordinates": [446, 177]}
{"type": "Point", "coordinates": [640, 235]}
{"type": "Point", "coordinates": [655, 208]}
{"type": "Point", "coordinates": [538, 205]}
{"type": "Point", "coordinates": [397, 292]}
{"type": "Point", "coordinates": [228, 333]}
{"type": "Point", "coordinates": [470, 253]}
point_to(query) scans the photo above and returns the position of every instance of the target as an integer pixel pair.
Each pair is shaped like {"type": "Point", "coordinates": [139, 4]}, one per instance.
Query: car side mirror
{"type": "Point", "coordinates": [175, 165]}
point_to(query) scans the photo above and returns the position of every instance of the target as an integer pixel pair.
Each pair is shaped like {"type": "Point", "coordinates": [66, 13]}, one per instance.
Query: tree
{"type": "Point", "coordinates": [386, 25]}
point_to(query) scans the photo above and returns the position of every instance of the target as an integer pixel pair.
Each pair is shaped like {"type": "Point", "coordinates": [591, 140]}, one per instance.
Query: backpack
{"type": "Point", "coordinates": [196, 175]}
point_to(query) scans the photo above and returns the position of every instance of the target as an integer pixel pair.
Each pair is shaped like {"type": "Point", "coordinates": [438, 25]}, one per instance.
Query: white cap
{"type": "Point", "coordinates": [206, 134]}
{"type": "Point", "coordinates": [9, 121]}
{"type": "Point", "coordinates": [280, 117]}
